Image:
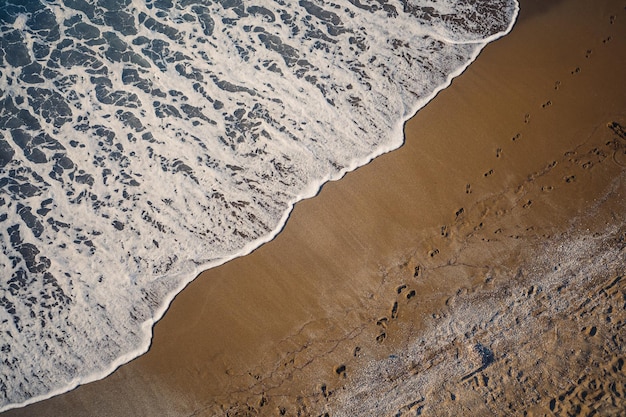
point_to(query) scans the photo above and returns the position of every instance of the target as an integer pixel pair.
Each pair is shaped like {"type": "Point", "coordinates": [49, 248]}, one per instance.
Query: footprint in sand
{"type": "Point", "coordinates": [588, 53]}
{"type": "Point", "coordinates": [546, 104]}
{"type": "Point", "coordinates": [482, 356]}
{"type": "Point", "coordinates": [618, 129]}
{"type": "Point", "coordinates": [587, 165]}
{"type": "Point", "coordinates": [498, 152]}
{"type": "Point", "coordinates": [414, 408]}
{"type": "Point", "coordinates": [527, 118]}
{"type": "Point", "coordinates": [417, 272]}
{"type": "Point", "coordinates": [606, 40]}
{"type": "Point", "coordinates": [341, 370]}
{"type": "Point", "coordinates": [552, 404]}
{"type": "Point", "coordinates": [468, 189]}
{"type": "Point", "coordinates": [325, 391]}
{"type": "Point", "coordinates": [576, 71]}
{"type": "Point", "coordinates": [619, 157]}
{"type": "Point", "coordinates": [516, 137]}
{"type": "Point", "coordinates": [617, 143]}
{"type": "Point", "coordinates": [411, 294]}
{"type": "Point", "coordinates": [394, 310]}
{"type": "Point", "coordinates": [488, 173]}
{"type": "Point", "coordinates": [557, 85]}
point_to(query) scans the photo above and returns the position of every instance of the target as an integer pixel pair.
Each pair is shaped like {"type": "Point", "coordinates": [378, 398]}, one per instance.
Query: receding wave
{"type": "Point", "coordinates": [142, 141]}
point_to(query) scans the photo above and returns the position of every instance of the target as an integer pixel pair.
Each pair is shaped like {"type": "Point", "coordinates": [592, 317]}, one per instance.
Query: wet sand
{"type": "Point", "coordinates": [476, 270]}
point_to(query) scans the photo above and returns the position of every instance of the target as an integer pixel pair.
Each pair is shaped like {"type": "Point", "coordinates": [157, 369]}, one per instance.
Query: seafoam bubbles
{"type": "Point", "coordinates": [143, 140]}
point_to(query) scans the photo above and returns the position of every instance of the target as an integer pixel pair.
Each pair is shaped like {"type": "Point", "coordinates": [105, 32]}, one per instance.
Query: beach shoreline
{"type": "Point", "coordinates": [516, 153]}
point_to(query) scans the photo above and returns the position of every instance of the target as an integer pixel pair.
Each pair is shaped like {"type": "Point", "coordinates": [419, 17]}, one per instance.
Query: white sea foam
{"type": "Point", "coordinates": [144, 141]}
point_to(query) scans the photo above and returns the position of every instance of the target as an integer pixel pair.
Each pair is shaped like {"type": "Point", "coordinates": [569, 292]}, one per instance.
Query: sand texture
{"type": "Point", "coordinates": [478, 270]}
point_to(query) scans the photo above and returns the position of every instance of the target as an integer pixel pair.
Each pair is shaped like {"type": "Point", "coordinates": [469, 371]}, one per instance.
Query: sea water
{"type": "Point", "coordinates": [142, 141]}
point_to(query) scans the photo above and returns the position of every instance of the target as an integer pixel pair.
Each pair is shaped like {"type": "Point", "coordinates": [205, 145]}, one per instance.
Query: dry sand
{"type": "Point", "coordinates": [478, 270]}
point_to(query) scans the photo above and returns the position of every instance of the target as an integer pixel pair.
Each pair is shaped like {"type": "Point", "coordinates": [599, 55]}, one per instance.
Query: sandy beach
{"type": "Point", "coordinates": [477, 270]}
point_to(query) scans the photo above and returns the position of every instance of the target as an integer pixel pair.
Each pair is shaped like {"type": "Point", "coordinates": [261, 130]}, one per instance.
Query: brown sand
{"type": "Point", "coordinates": [478, 270]}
